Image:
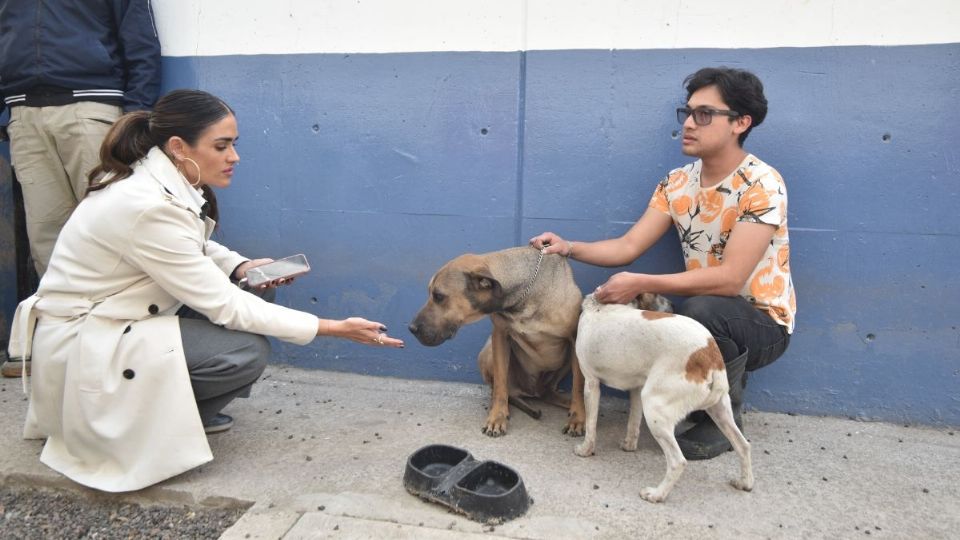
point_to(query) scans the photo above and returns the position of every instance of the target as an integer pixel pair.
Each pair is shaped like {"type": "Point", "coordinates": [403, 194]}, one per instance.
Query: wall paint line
{"type": "Point", "coordinates": [244, 27]}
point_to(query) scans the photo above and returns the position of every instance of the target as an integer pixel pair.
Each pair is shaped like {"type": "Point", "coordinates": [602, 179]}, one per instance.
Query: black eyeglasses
{"type": "Point", "coordinates": [702, 116]}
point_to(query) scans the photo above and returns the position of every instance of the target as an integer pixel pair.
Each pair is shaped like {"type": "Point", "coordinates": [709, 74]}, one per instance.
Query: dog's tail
{"type": "Point", "coordinates": [719, 385]}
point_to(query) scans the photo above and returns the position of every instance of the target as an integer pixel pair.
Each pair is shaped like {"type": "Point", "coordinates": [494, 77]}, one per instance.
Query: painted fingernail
{"type": "Point", "coordinates": [383, 328]}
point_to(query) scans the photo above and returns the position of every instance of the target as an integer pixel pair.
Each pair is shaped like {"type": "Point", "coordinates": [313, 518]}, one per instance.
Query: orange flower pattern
{"type": "Point", "coordinates": [754, 193]}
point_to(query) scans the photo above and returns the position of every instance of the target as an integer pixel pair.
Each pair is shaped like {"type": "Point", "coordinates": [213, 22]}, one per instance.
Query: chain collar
{"type": "Point", "coordinates": [530, 283]}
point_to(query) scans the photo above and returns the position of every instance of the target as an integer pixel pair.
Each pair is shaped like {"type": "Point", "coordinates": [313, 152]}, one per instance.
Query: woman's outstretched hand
{"type": "Point", "coordinates": [359, 330]}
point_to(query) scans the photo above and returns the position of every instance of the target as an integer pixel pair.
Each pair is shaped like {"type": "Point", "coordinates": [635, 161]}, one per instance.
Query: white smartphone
{"type": "Point", "coordinates": [285, 268]}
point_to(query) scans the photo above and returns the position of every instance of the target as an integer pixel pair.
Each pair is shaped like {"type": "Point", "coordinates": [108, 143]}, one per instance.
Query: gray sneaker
{"type": "Point", "coordinates": [218, 424]}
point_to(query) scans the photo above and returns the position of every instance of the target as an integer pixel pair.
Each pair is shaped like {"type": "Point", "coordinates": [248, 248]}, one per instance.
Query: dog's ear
{"type": "Point", "coordinates": [481, 281]}
{"type": "Point", "coordinates": [654, 302]}
{"type": "Point", "coordinates": [484, 292]}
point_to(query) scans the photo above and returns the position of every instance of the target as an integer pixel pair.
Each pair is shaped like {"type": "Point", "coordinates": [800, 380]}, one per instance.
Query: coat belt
{"type": "Point", "coordinates": [21, 335]}
{"type": "Point", "coordinates": [25, 323]}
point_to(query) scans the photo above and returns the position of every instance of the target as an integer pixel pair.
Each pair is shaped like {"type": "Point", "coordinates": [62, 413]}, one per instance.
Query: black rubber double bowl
{"type": "Point", "coordinates": [484, 491]}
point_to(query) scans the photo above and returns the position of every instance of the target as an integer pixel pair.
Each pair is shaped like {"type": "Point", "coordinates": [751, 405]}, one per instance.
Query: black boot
{"type": "Point", "coordinates": [705, 440]}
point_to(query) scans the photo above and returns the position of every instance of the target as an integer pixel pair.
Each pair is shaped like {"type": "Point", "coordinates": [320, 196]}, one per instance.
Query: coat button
{"type": "Point", "coordinates": [153, 309]}
{"type": "Point", "coordinates": [128, 374]}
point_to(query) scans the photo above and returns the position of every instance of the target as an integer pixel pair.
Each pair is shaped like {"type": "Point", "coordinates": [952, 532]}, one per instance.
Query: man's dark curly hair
{"type": "Point", "coordinates": [741, 90]}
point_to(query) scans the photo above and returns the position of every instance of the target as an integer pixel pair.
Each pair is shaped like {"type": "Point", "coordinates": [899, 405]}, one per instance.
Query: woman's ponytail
{"type": "Point", "coordinates": [128, 141]}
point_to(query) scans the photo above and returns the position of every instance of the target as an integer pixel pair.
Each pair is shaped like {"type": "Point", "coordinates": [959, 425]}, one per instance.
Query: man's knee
{"type": "Point", "coordinates": [703, 309]}
{"type": "Point", "coordinates": [712, 313]}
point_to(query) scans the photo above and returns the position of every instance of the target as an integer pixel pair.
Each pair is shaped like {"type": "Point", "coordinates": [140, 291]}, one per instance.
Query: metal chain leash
{"type": "Point", "coordinates": [536, 272]}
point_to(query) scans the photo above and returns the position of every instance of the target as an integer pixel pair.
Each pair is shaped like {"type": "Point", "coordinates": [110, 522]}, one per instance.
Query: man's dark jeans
{"type": "Point", "coordinates": [739, 327]}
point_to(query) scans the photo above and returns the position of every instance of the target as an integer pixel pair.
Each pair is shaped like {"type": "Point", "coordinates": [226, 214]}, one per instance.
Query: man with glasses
{"type": "Point", "coordinates": [730, 210]}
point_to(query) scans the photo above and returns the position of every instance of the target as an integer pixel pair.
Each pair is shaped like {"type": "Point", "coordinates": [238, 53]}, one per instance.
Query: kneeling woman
{"type": "Point", "coordinates": [123, 388]}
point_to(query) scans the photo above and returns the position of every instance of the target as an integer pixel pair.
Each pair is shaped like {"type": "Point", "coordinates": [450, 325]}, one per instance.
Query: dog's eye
{"type": "Point", "coordinates": [439, 297]}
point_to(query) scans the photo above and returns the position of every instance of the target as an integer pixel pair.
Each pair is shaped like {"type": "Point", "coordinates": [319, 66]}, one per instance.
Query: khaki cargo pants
{"type": "Point", "coordinates": [52, 149]}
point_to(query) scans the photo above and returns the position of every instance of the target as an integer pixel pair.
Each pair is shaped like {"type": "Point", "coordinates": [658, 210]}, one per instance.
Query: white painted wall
{"type": "Point", "coordinates": [220, 27]}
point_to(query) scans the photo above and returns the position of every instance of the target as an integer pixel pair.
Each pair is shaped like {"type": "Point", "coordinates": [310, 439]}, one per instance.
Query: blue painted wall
{"type": "Point", "coordinates": [381, 167]}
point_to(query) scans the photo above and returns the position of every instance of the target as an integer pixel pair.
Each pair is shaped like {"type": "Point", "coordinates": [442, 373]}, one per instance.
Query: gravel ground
{"type": "Point", "coordinates": [27, 513]}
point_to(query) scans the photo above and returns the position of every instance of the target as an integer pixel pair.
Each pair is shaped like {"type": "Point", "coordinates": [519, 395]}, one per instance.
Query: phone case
{"type": "Point", "coordinates": [288, 267]}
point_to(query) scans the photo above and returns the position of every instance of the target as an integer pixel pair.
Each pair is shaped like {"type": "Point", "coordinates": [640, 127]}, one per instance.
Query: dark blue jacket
{"type": "Point", "coordinates": [102, 50]}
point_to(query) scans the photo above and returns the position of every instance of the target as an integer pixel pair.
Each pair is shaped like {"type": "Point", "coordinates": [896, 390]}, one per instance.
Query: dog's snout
{"type": "Point", "coordinates": [428, 333]}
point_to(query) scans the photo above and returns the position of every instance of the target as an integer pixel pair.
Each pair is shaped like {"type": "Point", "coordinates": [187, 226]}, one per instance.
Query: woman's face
{"type": "Point", "coordinates": [215, 154]}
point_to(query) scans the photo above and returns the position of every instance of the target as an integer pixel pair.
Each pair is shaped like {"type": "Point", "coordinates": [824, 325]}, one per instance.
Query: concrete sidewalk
{"type": "Point", "coordinates": [321, 454]}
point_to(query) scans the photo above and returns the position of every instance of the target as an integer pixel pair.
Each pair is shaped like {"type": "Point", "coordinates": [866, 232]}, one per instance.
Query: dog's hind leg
{"type": "Point", "coordinates": [576, 416]}
{"type": "Point", "coordinates": [547, 388]}
{"type": "Point", "coordinates": [661, 421]}
{"type": "Point", "coordinates": [629, 443]}
{"type": "Point", "coordinates": [553, 397]}
{"type": "Point", "coordinates": [591, 398]}
{"type": "Point", "coordinates": [722, 415]}
{"type": "Point", "coordinates": [519, 403]}
{"type": "Point", "coordinates": [548, 393]}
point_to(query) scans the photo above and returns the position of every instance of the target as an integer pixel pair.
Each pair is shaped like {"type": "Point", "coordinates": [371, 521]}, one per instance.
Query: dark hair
{"type": "Point", "coordinates": [741, 90]}
{"type": "Point", "coordinates": [180, 113]}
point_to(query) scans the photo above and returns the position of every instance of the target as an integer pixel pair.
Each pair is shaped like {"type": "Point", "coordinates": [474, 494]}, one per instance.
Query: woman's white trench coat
{"type": "Point", "coordinates": [110, 389]}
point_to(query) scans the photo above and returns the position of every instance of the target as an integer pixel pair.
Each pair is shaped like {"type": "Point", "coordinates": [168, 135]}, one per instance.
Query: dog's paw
{"type": "Point", "coordinates": [741, 485]}
{"type": "Point", "coordinates": [493, 431]}
{"type": "Point", "coordinates": [584, 449]}
{"type": "Point", "coordinates": [495, 427]}
{"type": "Point", "coordinates": [653, 495]}
{"type": "Point", "coordinates": [574, 427]}
{"type": "Point", "coordinates": [628, 446]}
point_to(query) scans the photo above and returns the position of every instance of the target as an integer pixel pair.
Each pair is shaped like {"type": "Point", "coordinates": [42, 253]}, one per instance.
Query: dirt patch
{"type": "Point", "coordinates": [43, 513]}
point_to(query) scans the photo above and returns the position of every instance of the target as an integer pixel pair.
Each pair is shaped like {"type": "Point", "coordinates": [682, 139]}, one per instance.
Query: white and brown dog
{"type": "Point", "coordinates": [671, 366]}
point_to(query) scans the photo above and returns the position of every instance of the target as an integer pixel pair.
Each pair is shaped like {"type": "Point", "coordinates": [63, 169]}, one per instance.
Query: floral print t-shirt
{"type": "Point", "coordinates": [704, 217]}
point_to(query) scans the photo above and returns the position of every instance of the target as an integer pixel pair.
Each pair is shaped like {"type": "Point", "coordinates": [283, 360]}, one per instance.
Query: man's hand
{"type": "Point", "coordinates": [621, 288]}
{"type": "Point", "coordinates": [554, 244]}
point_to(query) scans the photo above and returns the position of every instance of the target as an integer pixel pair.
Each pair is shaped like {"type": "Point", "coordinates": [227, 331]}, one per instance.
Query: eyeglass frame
{"type": "Point", "coordinates": [687, 112]}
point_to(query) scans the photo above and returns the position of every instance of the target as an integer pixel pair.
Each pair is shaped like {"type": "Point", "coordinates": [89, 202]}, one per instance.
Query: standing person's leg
{"type": "Point", "coordinates": [748, 340]}
{"type": "Point", "coordinates": [48, 197]}
{"type": "Point", "coordinates": [53, 149]}
{"type": "Point", "coordinates": [79, 130]}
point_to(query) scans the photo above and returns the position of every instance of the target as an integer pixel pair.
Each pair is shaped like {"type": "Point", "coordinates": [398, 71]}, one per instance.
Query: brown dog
{"type": "Point", "coordinates": [534, 305]}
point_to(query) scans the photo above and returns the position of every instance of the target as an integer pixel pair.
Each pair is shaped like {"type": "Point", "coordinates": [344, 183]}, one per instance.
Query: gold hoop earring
{"type": "Point", "coordinates": [192, 184]}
